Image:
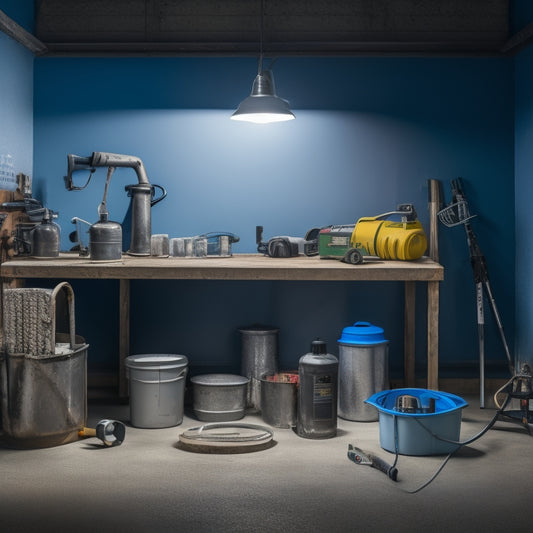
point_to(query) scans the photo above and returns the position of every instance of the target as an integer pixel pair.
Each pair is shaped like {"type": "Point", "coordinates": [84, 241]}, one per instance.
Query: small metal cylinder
{"type": "Point", "coordinates": [141, 224]}
{"type": "Point", "coordinates": [279, 401]}
{"type": "Point", "coordinates": [259, 349]}
{"type": "Point", "coordinates": [177, 247]}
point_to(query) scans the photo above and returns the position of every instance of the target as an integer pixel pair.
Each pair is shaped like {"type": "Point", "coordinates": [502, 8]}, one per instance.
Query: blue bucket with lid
{"type": "Point", "coordinates": [363, 370]}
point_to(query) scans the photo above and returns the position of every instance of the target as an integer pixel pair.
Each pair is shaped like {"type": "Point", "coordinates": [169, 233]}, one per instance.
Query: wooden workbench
{"type": "Point", "coordinates": [250, 267]}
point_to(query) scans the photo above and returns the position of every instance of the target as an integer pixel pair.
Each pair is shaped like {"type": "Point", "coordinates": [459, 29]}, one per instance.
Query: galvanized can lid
{"type": "Point", "coordinates": [156, 361]}
{"type": "Point", "coordinates": [362, 333]}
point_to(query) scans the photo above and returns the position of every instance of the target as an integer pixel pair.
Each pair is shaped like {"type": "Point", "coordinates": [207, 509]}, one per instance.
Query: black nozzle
{"type": "Point", "coordinates": [318, 347]}
{"type": "Point", "coordinates": [258, 234]}
{"type": "Point", "coordinates": [76, 162]}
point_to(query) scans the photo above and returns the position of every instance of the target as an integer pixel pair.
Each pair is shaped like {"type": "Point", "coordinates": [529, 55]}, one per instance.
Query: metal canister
{"type": "Point", "coordinates": [45, 238]}
{"type": "Point", "coordinates": [105, 240]}
{"type": "Point", "coordinates": [317, 393]}
{"type": "Point", "coordinates": [363, 370]}
{"type": "Point", "coordinates": [259, 350]}
{"type": "Point", "coordinates": [279, 399]}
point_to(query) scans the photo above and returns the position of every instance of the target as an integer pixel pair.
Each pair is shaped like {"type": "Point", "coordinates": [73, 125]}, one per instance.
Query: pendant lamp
{"type": "Point", "coordinates": [263, 105]}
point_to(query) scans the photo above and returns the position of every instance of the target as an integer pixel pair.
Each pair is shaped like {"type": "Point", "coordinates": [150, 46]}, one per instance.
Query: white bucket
{"type": "Point", "coordinates": [157, 389]}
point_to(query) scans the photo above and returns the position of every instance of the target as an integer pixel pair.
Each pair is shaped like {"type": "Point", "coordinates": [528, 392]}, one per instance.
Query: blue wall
{"type": "Point", "coordinates": [524, 189]}
{"type": "Point", "coordinates": [368, 135]}
{"type": "Point", "coordinates": [16, 108]}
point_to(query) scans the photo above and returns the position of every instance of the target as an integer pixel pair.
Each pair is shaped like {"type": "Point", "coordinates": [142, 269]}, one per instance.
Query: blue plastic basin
{"type": "Point", "coordinates": [419, 433]}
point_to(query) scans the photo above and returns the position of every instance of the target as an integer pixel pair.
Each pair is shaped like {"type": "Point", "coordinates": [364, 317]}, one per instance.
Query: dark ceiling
{"type": "Point", "coordinates": [290, 27]}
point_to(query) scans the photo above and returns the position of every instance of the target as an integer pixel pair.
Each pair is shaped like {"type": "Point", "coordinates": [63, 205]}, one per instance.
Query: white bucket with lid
{"type": "Point", "coordinates": [157, 389]}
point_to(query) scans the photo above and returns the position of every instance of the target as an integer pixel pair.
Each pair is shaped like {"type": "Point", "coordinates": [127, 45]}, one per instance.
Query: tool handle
{"type": "Point", "coordinates": [385, 467]}
{"type": "Point", "coordinates": [87, 432]}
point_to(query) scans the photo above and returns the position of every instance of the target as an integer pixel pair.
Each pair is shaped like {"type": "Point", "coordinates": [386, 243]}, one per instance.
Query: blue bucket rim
{"type": "Point", "coordinates": [448, 402]}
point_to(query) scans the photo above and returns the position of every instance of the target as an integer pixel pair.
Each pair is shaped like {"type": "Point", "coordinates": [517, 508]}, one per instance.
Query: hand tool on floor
{"type": "Point", "coordinates": [360, 457]}
{"type": "Point", "coordinates": [455, 214]}
{"type": "Point", "coordinates": [110, 432]}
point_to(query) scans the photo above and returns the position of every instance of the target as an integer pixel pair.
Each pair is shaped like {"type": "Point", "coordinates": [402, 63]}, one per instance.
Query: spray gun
{"type": "Point", "coordinates": [141, 193]}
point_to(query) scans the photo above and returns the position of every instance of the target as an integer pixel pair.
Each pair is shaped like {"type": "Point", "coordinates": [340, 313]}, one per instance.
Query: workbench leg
{"type": "Point", "coordinates": [124, 335]}
{"type": "Point", "coordinates": [409, 334]}
{"type": "Point", "coordinates": [433, 335]}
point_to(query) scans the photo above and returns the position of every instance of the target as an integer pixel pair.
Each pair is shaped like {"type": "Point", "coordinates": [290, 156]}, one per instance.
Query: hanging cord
{"type": "Point", "coordinates": [261, 41]}
{"type": "Point", "coordinates": [260, 61]}
{"type": "Point", "coordinates": [459, 444]}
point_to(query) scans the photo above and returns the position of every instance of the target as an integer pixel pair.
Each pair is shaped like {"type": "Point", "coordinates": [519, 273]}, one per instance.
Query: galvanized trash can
{"type": "Point", "coordinates": [43, 375]}
{"type": "Point", "coordinates": [363, 370]}
{"type": "Point", "coordinates": [157, 389]}
{"type": "Point", "coordinates": [259, 350]}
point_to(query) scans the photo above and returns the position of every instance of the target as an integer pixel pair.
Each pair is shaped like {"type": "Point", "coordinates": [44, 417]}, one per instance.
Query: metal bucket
{"type": "Point", "coordinates": [219, 397]}
{"type": "Point", "coordinates": [279, 399]}
{"type": "Point", "coordinates": [157, 389]}
{"type": "Point", "coordinates": [43, 374]}
{"type": "Point", "coordinates": [44, 398]}
{"type": "Point", "coordinates": [259, 348]}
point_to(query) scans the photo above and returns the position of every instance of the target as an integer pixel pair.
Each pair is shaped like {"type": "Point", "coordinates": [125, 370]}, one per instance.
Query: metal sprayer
{"type": "Point", "coordinates": [141, 193]}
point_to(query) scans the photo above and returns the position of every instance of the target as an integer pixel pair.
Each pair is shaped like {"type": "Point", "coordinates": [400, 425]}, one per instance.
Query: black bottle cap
{"type": "Point", "coordinates": [318, 347]}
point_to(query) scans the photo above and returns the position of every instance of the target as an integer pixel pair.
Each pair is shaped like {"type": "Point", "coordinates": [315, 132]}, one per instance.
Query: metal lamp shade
{"type": "Point", "coordinates": [263, 106]}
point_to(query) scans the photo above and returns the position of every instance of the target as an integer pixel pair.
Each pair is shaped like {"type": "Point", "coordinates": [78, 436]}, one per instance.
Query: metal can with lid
{"type": "Point", "coordinates": [363, 370]}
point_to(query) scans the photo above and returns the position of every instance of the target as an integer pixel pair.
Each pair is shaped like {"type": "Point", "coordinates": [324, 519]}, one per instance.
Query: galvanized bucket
{"type": "Point", "coordinates": [43, 395]}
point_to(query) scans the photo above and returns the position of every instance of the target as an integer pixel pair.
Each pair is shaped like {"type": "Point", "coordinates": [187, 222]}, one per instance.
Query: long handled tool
{"type": "Point", "coordinates": [455, 214]}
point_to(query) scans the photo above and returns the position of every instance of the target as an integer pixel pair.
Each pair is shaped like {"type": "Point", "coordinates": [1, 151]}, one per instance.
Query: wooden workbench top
{"type": "Point", "coordinates": [237, 267]}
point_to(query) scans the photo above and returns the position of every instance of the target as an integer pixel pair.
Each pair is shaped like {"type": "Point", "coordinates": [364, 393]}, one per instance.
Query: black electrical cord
{"type": "Point", "coordinates": [460, 444]}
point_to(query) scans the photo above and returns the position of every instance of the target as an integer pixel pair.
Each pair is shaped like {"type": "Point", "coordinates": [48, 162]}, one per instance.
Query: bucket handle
{"type": "Point", "coordinates": [157, 381]}
{"type": "Point", "coordinates": [65, 286]}
{"type": "Point", "coordinates": [181, 375]}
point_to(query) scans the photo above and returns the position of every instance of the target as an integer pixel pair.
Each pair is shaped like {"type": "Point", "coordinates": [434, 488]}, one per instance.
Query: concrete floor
{"type": "Point", "coordinates": [149, 485]}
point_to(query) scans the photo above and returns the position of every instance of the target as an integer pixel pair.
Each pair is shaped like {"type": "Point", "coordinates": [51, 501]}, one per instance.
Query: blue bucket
{"type": "Point", "coordinates": [418, 427]}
